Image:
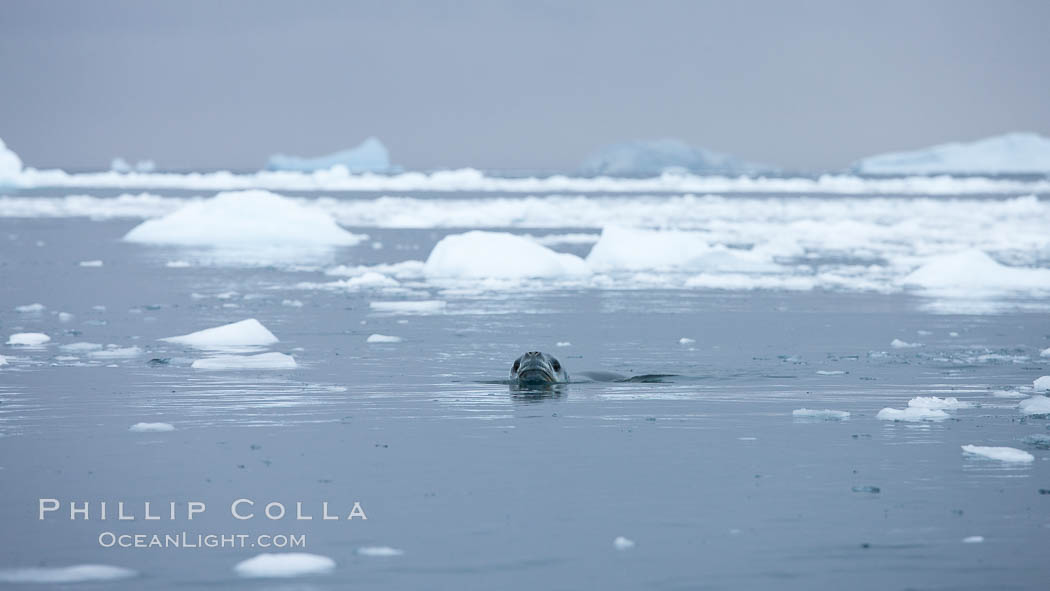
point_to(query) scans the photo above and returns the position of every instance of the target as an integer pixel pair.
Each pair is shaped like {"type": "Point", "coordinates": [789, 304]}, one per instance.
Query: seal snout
{"type": "Point", "coordinates": [537, 367]}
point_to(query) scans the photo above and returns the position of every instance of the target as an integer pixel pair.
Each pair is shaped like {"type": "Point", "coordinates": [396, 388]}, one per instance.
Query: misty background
{"type": "Point", "coordinates": [512, 85]}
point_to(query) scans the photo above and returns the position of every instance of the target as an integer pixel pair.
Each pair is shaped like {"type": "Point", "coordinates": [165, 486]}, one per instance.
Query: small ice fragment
{"type": "Point", "coordinates": [912, 414]}
{"type": "Point", "coordinates": [93, 263]}
{"type": "Point", "coordinates": [826, 414]}
{"type": "Point", "coordinates": [1045, 352]}
{"type": "Point", "coordinates": [748, 438]}
{"type": "Point", "coordinates": [932, 402]}
{"type": "Point", "coordinates": [1035, 406]}
{"type": "Point", "coordinates": [377, 246]}
{"type": "Point", "coordinates": [151, 427]}
{"type": "Point", "coordinates": [99, 308]}
{"type": "Point", "coordinates": [410, 307]}
{"type": "Point", "coordinates": [291, 564]}
{"type": "Point", "coordinates": [1003, 454]}
{"type": "Point", "coordinates": [1041, 384]}
{"type": "Point", "coordinates": [686, 341]}
{"type": "Point", "coordinates": [923, 333]}
{"type": "Point", "coordinates": [260, 361]}
{"type": "Point", "coordinates": [177, 264]}
{"type": "Point", "coordinates": [382, 338]}
{"type": "Point", "coordinates": [81, 573]}
{"type": "Point", "coordinates": [80, 347]}
{"type": "Point", "coordinates": [953, 334]}
{"type": "Point", "coordinates": [899, 344]}
{"type": "Point", "coordinates": [64, 317]}
{"type": "Point", "coordinates": [1008, 394]}
{"type": "Point", "coordinates": [3, 360]}
{"type": "Point", "coordinates": [379, 551]}
{"type": "Point", "coordinates": [563, 344]}
{"type": "Point", "coordinates": [973, 539]}
{"type": "Point", "coordinates": [114, 352]}
{"type": "Point", "coordinates": [622, 543]}
{"type": "Point", "coordinates": [28, 339]}
{"type": "Point", "coordinates": [824, 372]}
{"type": "Point", "coordinates": [30, 308]}
{"type": "Point", "coordinates": [292, 303]}
{"type": "Point", "coordinates": [248, 332]}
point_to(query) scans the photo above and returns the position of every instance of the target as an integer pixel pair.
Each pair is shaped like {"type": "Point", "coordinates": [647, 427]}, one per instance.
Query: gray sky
{"type": "Point", "coordinates": [536, 84]}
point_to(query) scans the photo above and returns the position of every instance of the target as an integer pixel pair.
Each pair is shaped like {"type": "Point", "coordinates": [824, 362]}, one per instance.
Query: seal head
{"type": "Point", "coordinates": [536, 367]}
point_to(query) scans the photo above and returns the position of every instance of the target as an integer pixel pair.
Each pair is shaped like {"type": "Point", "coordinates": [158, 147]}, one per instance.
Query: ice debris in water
{"type": "Point", "coordinates": [1045, 352]}
{"type": "Point", "coordinates": [382, 338]}
{"type": "Point", "coordinates": [177, 264]}
{"type": "Point", "coordinates": [80, 347]}
{"type": "Point", "coordinates": [867, 489]}
{"type": "Point", "coordinates": [973, 539]}
{"type": "Point", "coordinates": [244, 218]}
{"type": "Point", "coordinates": [260, 361]}
{"type": "Point", "coordinates": [3, 360]}
{"type": "Point", "coordinates": [410, 307]}
{"type": "Point", "coordinates": [1035, 406]}
{"type": "Point", "coordinates": [498, 254]}
{"type": "Point", "coordinates": [248, 332]}
{"type": "Point", "coordinates": [563, 344]}
{"type": "Point", "coordinates": [972, 272]}
{"type": "Point", "coordinates": [64, 317]}
{"type": "Point", "coordinates": [1038, 440]}
{"type": "Point", "coordinates": [933, 402]}
{"type": "Point", "coordinates": [899, 344]}
{"type": "Point", "coordinates": [92, 263]}
{"type": "Point", "coordinates": [37, 307]}
{"type": "Point", "coordinates": [686, 341]}
{"type": "Point", "coordinates": [28, 339]}
{"type": "Point", "coordinates": [1041, 384]}
{"type": "Point", "coordinates": [1008, 394]}
{"type": "Point", "coordinates": [912, 414]}
{"type": "Point", "coordinates": [1003, 454]}
{"type": "Point", "coordinates": [826, 414]}
{"type": "Point", "coordinates": [622, 543]}
{"type": "Point", "coordinates": [292, 303]}
{"type": "Point", "coordinates": [151, 427]}
{"type": "Point", "coordinates": [291, 564]}
{"type": "Point", "coordinates": [81, 573]}
{"type": "Point", "coordinates": [115, 352]}
{"type": "Point", "coordinates": [379, 551]}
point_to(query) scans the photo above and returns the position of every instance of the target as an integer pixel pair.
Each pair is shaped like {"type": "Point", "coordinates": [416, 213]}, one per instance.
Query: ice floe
{"type": "Point", "coordinates": [826, 414]}
{"type": "Point", "coordinates": [28, 339]}
{"type": "Point", "coordinates": [899, 344]}
{"type": "Point", "coordinates": [1035, 406]}
{"type": "Point", "coordinates": [151, 427]}
{"type": "Point", "coordinates": [382, 338]}
{"type": "Point", "coordinates": [249, 332]}
{"type": "Point", "coordinates": [80, 347]}
{"type": "Point", "coordinates": [1008, 394]}
{"type": "Point", "coordinates": [30, 308]}
{"type": "Point", "coordinates": [421, 307]}
{"type": "Point", "coordinates": [270, 360]}
{"type": "Point", "coordinates": [91, 263]}
{"type": "Point", "coordinates": [912, 414]}
{"type": "Point", "coordinates": [3, 360]}
{"type": "Point", "coordinates": [1003, 454]}
{"type": "Point", "coordinates": [244, 218]}
{"type": "Point", "coordinates": [1012, 153]}
{"type": "Point", "coordinates": [972, 272]}
{"type": "Point", "coordinates": [933, 402]}
{"type": "Point", "coordinates": [81, 573]}
{"type": "Point", "coordinates": [622, 543]}
{"type": "Point", "coordinates": [621, 248]}
{"type": "Point", "coordinates": [563, 344]}
{"type": "Point", "coordinates": [973, 539]}
{"type": "Point", "coordinates": [291, 564]}
{"type": "Point", "coordinates": [498, 254]}
{"type": "Point", "coordinates": [379, 551]}
{"type": "Point", "coordinates": [115, 352]}
{"type": "Point", "coordinates": [1041, 383]}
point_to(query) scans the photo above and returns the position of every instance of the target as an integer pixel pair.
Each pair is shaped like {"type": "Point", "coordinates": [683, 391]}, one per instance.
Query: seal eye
{"type": "Point", "coordinates": [556, 365]}
{"type": "Point", "coordinates": [517, 364]}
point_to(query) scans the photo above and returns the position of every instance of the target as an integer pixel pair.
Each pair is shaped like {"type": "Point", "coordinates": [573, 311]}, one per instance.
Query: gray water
{"type": "Point", "coordinates": [484, 487]}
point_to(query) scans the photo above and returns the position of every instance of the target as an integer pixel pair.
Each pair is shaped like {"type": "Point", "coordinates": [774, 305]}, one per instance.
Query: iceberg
{"type": "Point", "coordinates": [1013, 153]}
{"type": "Point", "coordinates": [244, 218]}
{"type": "Point", "coordinates": [370, 156]}
{"type": "Point", "coordinates": [651, 158]}
{"type": "Point", "coordinates": [122, 166]}
{"type": "Point", "coordinates": [291, 564]}
{"type": "Point", "coordinates": [28, 339]}
{"type": "Point", "coordinates": [10, 165]}
{"type": "Point", "coordinates": [501, 255]}
{"type": "Point", "coordinates": [246, 333]}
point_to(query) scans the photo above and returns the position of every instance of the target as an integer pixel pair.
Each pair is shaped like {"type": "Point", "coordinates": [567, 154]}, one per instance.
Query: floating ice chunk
{"type": "Point", "coordinates": [621, 248]}
{"type": "Point", "coordinates": [177, 264]}
{"type": "Point", "coordinates": [1041, 384]}
{"type": "Point", "coordinates": [899, 344]}
{"type": "Point", "coordinates": [410, 307]}
{"type": "Point", "coordinates": [1003, 454]}
{"type": "Point", "coordinates": [1035, 406]}
{"type": "Point", "coordinates": [244, 218]}
{"type": "Point", "coordinates": [379, 551]}
{"type": "Point", "coordinates": [498, 254]}
{"type": "Point", "coordinates": [115, 352]}
{"type": "Point", "coordinates": [64, 317]}
{"type": "Point", "coordinates": [912, 414]}
{"type": "Point", "coordinates": [563, 344]}
{"type": "Point", "coordinates": [833, 372]}
{"type": "Point", "coordinates": [382, 338]}
{"type": "Point", "coordinates": [80, 347]}
{"type": "Point", "coordinates": [575, 238]}
{"type": "Point", "coordinates": [622, 543]}
{"type": "Point", "coordinates": [1013, 153]}
{"type": "Point", "coordinates": [260, 361]}
{"type": "Point", "coordinates": [369, 279]}
{"type": "Point", "coordinates": [826, 414]}
{"type": "Point", "coordinates": [1009, 394]}
{"type": "Point", "coordinates": [10, 165]}
{"type": "Point", "coordinates": [1038, 440]}
{"type": "Point", "coordinates": [291, 564]}
{"type": "Point", "coordinates": [292, 303]}
{"type": "Point", "coordinates": [28, 339]}
{"type": "Point", "coordinates": [972, 272]}
{"type": "Point", "coordinates": [248, 332]}
{"type": "Point", "coordinates": [81, 573]}
{"type": "Point", "coordinates": [973, 539]}
{"type": "Point", "coordinates": [369, 156]}
{"type": "Point", "coordinates": [1045, 352]}
{"type": "Point", "coordinates": [92, 263]}
{"type": "Point", "coordinates": [30, 308]}
{"type": "Point", "coordinates": [686, 341]}
{"type": "Point", "coordinates": [151, 427]}
{"type": "Point", "coordinates": [650, 158]}
{"type": "Point", "coordinates": [3, 360]}
{"type": "Point", "coordinates": [932, 402]}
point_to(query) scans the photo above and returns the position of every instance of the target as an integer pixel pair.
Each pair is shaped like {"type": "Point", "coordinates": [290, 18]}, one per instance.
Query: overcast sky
{"type": "Point", "coordinates": [534, 85]}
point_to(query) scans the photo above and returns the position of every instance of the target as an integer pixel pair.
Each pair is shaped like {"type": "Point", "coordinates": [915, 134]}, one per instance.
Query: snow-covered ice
{"type": "Point", "coordinates": [379, 551]}
{"type": "Point", "coordinates": [826, 414]}
{"type": "Point", "coordinates": [933, 402]}
{"type": "Point", "coordinates": [291, 564]}
{"type": "Point", "coordinates": [1035, 406]}
{"type": "Point", "coordinates": [382, 338]}
{"type": "Point", "coordinates": [972, 271]}
{"type": "Point", "coordinates": [28, 339]}
{"type": "Point", "coordinates": [249, 332]}
{"type": "Point", "coordinates": [151, 427]}
{"type": "Point", "coordinates": [242, 219]}
{"type": "Point", "coordinates": [270, 360]}
{"type": "Point", "coordinates": [899, 344]}
{"type": "Point", "coordinates": [10, 165]}
{"type": "Point", "coordinates": [912, 414]}
{"type": "Point", "coordinates": [1041, 383]}
{"type": "Point", "coordinates": [81, 573]}
{"type": "Point", "coordinates": [1012, 153]}
{"type": "Point", "coordinates": [1003, 454]}
{"type": "Point", "coordinates": [369, 156]}
{"type": "Point", "coordinates": [498, 254]}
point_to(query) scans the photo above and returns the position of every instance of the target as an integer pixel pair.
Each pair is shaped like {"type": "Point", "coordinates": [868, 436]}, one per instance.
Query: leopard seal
{"type": "Point", "coordinates": [536, 367]}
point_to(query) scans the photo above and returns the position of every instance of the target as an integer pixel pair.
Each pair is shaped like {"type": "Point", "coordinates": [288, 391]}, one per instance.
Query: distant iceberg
{"type": "Point", "coordinates": [1013, 153]}
{"type": "Point", "coordinates": [123, 166]}
{"type": "Point", "coordinates": [649, 158]}
{"type": "Point", "coordinates": [370, 156]}
{"type": "Point", "coordinates": [10, 165]}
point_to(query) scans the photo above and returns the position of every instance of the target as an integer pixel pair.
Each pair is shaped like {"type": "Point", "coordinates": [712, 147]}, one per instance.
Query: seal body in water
{"type": "Point", "coordinates": [536, 367]}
